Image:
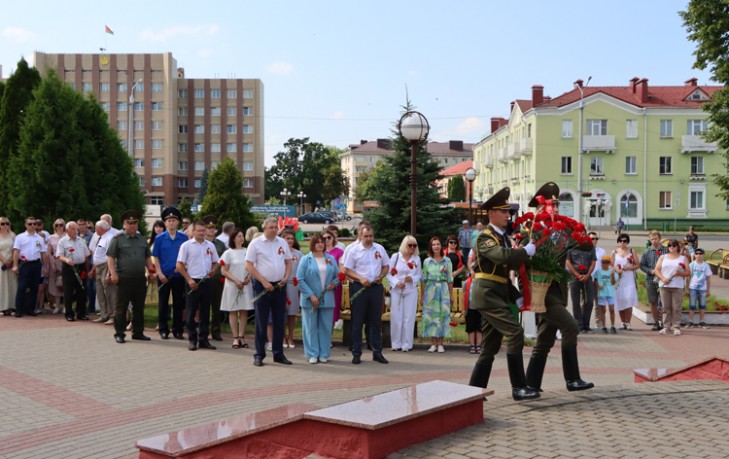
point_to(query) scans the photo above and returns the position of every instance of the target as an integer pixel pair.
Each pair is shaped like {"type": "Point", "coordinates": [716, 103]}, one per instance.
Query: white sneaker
{"type": "Point", "coordinates": [677, 332]}
{"type": "Point", "coordinates": [313, 360]}
{"type": "Point", "coordinates": [405, 350]}
{"type": "Point", "coordinates": [663, 331]}
{"type": "Point", "coordinates": [440, 348]}
{"type": "Point", "coordinates": [269, 346]}
{"type": "Point", "coordinates": [56, 309]}
{"type": "Point", "coordinates": [432, 348]}
{"type": "Point", "coordinates": [323, 360]}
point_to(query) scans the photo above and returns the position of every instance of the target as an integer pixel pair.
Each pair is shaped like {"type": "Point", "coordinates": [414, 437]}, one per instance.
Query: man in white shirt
{"type": "Point", "coordinates": [367, 264]}
{"type": "Point", "coordinates": [29, 257]}
{"type": "Point", "coordinates": [224, 235]}
{"type": "Point", "coordinates": [197, 262]}
{"type": "Point", "coordinates": [105, 290]}
{"type": "Point", "coordinates": [268, 260]}
{"type": "Point", "coordinates": [73, 252]}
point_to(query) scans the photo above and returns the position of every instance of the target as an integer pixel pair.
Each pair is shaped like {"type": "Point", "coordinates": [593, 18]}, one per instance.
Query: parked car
{"type": "Point", "coordinates": [344, 216]}
{"type": "Point", "coordinates": [315, 217]}
{"type": "Point", "coordinates": [329, 214]}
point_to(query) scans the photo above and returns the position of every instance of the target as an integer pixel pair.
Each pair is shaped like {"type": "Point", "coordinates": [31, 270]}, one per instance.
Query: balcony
{"type": "Point", "coordinates": [696, 144]}
{"type": "Point", "coordinates": [511, 151]}
{"type": "Point", "coordinates": [502, 155]}
{"type": "Point", "coordinates": [525, 145]}
{"type": "Point", "coordinates": [488, 162]}
{"type": "Point", "coordinates": [604, 143]}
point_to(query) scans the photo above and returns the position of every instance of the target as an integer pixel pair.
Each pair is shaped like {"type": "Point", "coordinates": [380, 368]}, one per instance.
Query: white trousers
{"type": "Point", "coordinates": [403, 307]}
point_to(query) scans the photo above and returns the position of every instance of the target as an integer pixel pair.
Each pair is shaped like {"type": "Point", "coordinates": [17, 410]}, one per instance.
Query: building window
{"type": "Point", "coordinates": [156, 106]}
{"type": "Point", "coordinates": [215, 129]}
{"type": "Point", "coordinates": [199, 148]}
{"type": "Point", "coordinates": [247, 148]}
{"type": "Point", "coordinates": [214, 111]}
{"type": "Point", "coordinates": [232, 93]}
{"type": "Point", "coordinates": [631, 129]}
{"type": "Point", "coordinates": [156, 181]}
{"type": "Point", "coordinates": [247, 165]}
{"type": "Point", "coordinates": [596, 166]}
{"type": "Point", "coordinates": [199, 111]}
{"type": "Point", "coordinates": [139, 144]}
{"type": "Point", "coordinates": [85, 87]}
{"type": "Point", "coordinates": [567, 129]}
{"type": "Point", "coordinates": [247, 183]}
{"type": "Point", "coordinates": [182, 111]}
{"type": "Point", "coordinates": [199, 129]}
{"type": "Point", "coordinates": [106, 106]}
{"type": "Point", "coordinates": [182, 165]}
{"type": "Point", "coordinates": [360, 168]}
{"type": "Point", "coordinates": [121, 125]}
{"type": "Point", "coordinates": [182, 128]}
{"type": "Point", "coordinates": [121, 87]}
{"type": "Point", "coordinates": [631, 165]}
{"type": "Point", "coordinates": [157, 144]}
{"type": "Point", "coordinates": [139, 126]}
{"type": "Point", "coordinates": [121, 106]}
{"type": "Point", "coordinates": [198, 183]}
{"type": "Point", "coordinates": [157, 87]}
{"type": "Point", "coordinates": [158, 200]}
{"type": "Point", "coordinates": [199, 165]}
{"type": "Point", "coordinates": [697, 165]}
{"type": "Point", "coordinates": [138, 162]}
{"type": "Point", "coordinates": [246, 111]}
{"type": "Point", "coordinates": [664, 200]}
{"type": "Point", "coordinates": [182, 147]}
{"type": "Point", "coordinates": [665, 166]}
{"type": "Point", "coordinates": [138, 87]}
{"type": "Point", "coordinates": [182, 93]}
{"type": "Point", "coordinates": [247, 129]}
{"type": "Point", "coordinates": [529, 131]}
{"type": "Point", "coordinates": [213, 165]}
{"type": "Point", "coordinates": [597, 127]}
{"type": "Point", "coordinates": [230, 129]}
{"type": "Point", "coordinates": [231, 147]}
{"type": "Point", "coordinates": [141, 181]}
{"type": "Point", "coordinates": [666, 128]}
{"type": "Point", "coordinates": [156, 125]}
{"type": "Point", "coordinates": [138, 106]}
{"type": "Point", "coordinates": [214, 148]}
{"type": "Point", "coordinates": [199, 93]}
{"type": "Point", "coordinates": [696, 200]}
{"type": "Point", "coordinates": [104, 87]}
{"type": "Point", "coordinates": [248, 94]}
{"type": "Point", "coordinates": [696, 127]}
{"type": "Point", "coordinates": [231, 111]}
{"type": "Point", "coordinates": [157, 162]}
{"type": "Point", "coordinates": [182, 182]}
{"type": "Point", "coordinates": [215, 93]}
{"type": "Point", "coordinates": [566, 165]}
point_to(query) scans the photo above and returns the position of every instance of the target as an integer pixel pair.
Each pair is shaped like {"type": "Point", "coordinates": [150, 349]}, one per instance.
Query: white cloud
{"type": "Point", "coordinates": [18, 35]}
{"type": "Point", "coordinates": [471, 125]}
{"type": "Point", "coordinates": [338, 115]}
{"type": "Point", "coordinates": [280, 68]}
{"type": "Point", "coordinates": [178, 31]}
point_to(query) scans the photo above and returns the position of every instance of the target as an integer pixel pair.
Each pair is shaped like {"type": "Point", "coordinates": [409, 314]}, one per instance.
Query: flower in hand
{"type": "Point", "coordinates": [393, 271]}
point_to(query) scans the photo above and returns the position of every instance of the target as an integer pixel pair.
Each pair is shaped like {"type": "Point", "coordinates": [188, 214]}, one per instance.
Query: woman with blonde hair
{"type": "Point", "coordinates": [404, 277]}
{"type": "Point", "coordinates": [8, 280]}
{"type": "Point", "coordinates": [55, 284]}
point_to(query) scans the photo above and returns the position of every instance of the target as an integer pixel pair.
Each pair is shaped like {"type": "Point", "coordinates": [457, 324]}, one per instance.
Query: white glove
{"type": "Point", "coordinates": [531, 249]}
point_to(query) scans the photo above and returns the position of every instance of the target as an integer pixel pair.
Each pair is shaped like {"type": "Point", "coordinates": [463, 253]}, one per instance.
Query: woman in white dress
{"type": "Point", "coordinates": [237, 291]}
{"type": "Point", "coordinates": [626, 263]}
{"type": "Point", "coordinates": [8, 280]}
{"type": "Point", "coordinates": [404, 278]}
{"type": "Point", "coordinates": [672, 269]}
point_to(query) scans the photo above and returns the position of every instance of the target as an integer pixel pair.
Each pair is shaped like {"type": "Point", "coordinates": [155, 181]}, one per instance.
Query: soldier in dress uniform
{"type": "Point", "coordinates": [556, 318]}
{"type": "Point", "coordinates": [211, 228]}
{"type": "Point", "coordinates": [492, 294]}
{"type": "Point", "coordinates": [128, 256]}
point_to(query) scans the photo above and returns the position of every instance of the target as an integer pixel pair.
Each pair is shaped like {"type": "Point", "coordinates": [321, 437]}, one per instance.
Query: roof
{"type": "Point", "coordinates": [658, 96]}
{"type": "Point", "coordinates": [457, 169]}
{"type": "Point", "coordinates": [524, 104]}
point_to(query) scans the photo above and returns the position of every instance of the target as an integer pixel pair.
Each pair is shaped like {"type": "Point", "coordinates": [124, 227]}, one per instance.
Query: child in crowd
{"type": "Point", "coordinates": [605, 277]}
{"type": "Point", "coordinates": [699, 288]}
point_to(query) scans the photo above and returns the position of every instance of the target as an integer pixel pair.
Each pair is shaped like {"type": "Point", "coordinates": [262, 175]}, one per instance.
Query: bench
{"type": "Point", "coordinates": [719, 263]}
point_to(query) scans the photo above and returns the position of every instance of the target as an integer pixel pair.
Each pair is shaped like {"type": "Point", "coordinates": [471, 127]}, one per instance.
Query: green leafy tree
{"type": "Point", "coordinates": [225, 198]}
{"type": "Point", "coordinates": [389, 185]}
{"type": "Point", "coordinates": [203, 186]}
{"type": "Point", "coordinates": [707, 23]}
{"type": "Point", "coordinates": [17, 94]}
{"type": "Point", "coordinates": [456, 189]}
{"type": "Point", "coordinates": [185, 208]}
{"type": "Point", "coordinates": [69, 162]}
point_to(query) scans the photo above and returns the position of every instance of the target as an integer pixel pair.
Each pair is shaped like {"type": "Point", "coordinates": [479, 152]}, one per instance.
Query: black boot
{"type": "Point", "coordinates": [571, 370]}
{"type": "Point", "coordinates": [480, 375]}
{"type": "Point", "coordinates": [535, 371]}
{"type": "Point", "coordinates": [519, 389]}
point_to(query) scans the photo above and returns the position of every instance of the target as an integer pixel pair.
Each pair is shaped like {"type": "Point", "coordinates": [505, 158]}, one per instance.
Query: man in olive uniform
{"type": "Point", "coordinates": [556, 318]}
{"type": "Point", "coordinates": [211, 229]}
{"type": "Point", "coordinates": [492, 293]}
{"type": "Point", "coordinates": [128, 255]}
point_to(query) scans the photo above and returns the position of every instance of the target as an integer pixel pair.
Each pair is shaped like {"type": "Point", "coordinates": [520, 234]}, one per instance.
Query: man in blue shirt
{"type": "Point", "coordinates": [166, 248]}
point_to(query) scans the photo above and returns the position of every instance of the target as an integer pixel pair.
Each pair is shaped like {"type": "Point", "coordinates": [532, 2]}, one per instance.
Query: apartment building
{"type": "Point", "coordinates": [643, 157]}
{"type": "Point", "coordinates": [179, 127]}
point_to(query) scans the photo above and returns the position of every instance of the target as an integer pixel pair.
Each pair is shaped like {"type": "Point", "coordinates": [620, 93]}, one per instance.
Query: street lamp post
{"type": "Point", "coordinates": [301, 197]}
{"type": "Point", "coordinates": [130, 128]}
{"type": "Point", "coordinates": [285, 193]}
{"type": "Point", "coordinates": [580, 200]}
{"type": "Point", "coordinates": [414, 128]}
{"type": "Point", "coordinates": [470, 176]}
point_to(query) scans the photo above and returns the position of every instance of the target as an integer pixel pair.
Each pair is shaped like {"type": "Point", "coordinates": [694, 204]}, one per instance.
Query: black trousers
{"type": "Point", "coordinates": [28, 279]}
{"type": "Point", "coordinates": [367, 308]}
{"type": "Point", "coordinates": [175, 286]}
{"type": "Point", "coordinates": [73, 290]}
{"type": "Point", "coordinates": [273, 303]}
{"type": "Point", "coordinates": [217, 297]}
{"type": "Point", "coordinates": [130, 290]}
{"type": "Point", "coordinates": [198, 300]}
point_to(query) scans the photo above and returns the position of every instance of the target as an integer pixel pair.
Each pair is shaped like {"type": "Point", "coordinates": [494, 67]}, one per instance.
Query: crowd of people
{"type": "Point", "coordinates": [199, 275]}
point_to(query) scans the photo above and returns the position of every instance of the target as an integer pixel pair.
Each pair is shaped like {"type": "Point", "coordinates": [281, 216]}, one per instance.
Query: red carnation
{"type": "Point", "coordinates": [683, 266]}
{"type": "Point", "coordinates": [288, 301]}
{"type": "Point", "coordinates": [411, 265]}
{"type": "Point", "coordinates": [393, 271]}
{"type": "Point", "coordinates": [83, 275]}
{"type": "Point", "coordinates": [630, 260]}
{"type": "Point", "coordinates": [546, 231]}
{"type": "Point", "coordinates": [221, 280]}
{"type": "Point", "coordinates": [581, 268]}
{"type": "Point", "coordinates": [342, 277]}
{"type": "Point", "coordinates": [222, 263]}
{"type": "Point", "coordinates": [295, 281]}
{"type": "Point", "coordinates": [519, 237]}
{"type": "Point", "coordinates": [453, 324]}
{"type": "Point", "coordinates": [537, 226]}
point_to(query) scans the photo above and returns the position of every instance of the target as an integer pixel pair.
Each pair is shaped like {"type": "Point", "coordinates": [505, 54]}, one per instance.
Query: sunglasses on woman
{"type": "Point", "coordinates": [412, 246]}
{"type": "Point", "coordinates": [4, 223]}
{"type": "Point", "coordinates": [673, 245]}
{"type": "Point", "coordinates": [624, 240]}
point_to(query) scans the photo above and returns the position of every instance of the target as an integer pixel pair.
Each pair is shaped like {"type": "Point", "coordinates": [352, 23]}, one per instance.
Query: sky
{"type": "Point", "coordinates": [339, 72]}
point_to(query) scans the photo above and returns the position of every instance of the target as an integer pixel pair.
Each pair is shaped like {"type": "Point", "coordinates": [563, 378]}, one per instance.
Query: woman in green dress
{"type": "Point", "coordinates": [437, 288]}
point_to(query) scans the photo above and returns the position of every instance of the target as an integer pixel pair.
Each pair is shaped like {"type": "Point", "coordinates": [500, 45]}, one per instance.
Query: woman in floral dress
{"type": "Point", "coordinates": [438, 285]}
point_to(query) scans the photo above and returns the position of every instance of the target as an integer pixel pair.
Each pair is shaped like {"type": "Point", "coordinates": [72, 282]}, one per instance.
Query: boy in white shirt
{"type": "Point", "coordinates": [699, 288]}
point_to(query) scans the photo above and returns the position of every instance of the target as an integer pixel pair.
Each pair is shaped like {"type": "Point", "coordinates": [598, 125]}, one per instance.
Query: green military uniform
{"type": "Point", "coordinates": [130, 255]}
{"type": "Point", "coordinates": [555, 318]}
{"type": "Point", "coordinates": [492, 292]}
